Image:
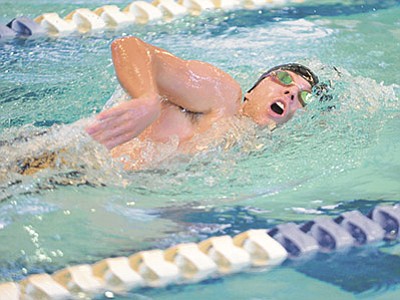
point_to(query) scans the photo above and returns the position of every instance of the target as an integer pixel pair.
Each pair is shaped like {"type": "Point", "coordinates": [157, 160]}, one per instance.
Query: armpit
{"type": "Point", "coordinates": [193, 116]}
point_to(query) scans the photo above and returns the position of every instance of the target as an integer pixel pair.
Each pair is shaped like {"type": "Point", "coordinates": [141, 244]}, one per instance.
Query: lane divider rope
{"type": "Point", "coordinates": [216, 256]}
{"type": "Point", "coordinates": [84, 20]}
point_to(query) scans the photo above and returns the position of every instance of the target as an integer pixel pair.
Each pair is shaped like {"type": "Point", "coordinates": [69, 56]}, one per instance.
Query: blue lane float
{"type": "Point", "coordinates": [213, 257]}
{"type": "Point", "coordinates": [328, 233]}
{"type": "Point", "coordinates": [388, 217]}
{"type": "Point", "coordinates": [362, 228]}
{"type": "Point", "coordinates": [6, 32]}
{"type": "Point", "coordinates": [24, 26]}
{"type": "Point", "coordinates": [293, 239]}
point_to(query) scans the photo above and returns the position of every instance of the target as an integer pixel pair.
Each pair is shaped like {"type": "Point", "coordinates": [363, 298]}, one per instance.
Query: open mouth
{"type": "Point", "coordinates": [278, 107]}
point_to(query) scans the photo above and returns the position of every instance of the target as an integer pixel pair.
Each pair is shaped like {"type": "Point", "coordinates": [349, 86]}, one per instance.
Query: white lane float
{"type": "Point", "coordinates": [113, 16]}
{"type": "Point", "coordinates": [55, 25]}
{"type": "Point", "coordinates": [85, 20]}
{"type": "Point", "coordinates": [144, 12]}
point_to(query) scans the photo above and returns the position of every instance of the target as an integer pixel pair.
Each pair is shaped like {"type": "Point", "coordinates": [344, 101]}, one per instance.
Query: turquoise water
{"type": "Point", "coordinates": [319, 163]}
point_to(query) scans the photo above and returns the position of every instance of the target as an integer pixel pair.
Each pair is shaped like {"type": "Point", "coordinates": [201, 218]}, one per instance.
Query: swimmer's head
{"type": "Point", "coordinates": [278, 93]}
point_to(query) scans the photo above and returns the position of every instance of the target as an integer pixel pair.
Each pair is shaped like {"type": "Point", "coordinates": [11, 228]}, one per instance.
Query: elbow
{"type": "Point", "coordinates": [117, 48]}
{"type": "Point", "coordinates": [117, 42]}
{"type": "Point", "coordinates": [121, 45]}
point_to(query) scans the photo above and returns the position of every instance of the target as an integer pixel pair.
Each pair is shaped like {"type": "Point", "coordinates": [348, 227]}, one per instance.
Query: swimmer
{"type": "Point", "coordinates": [172, 97]}
{"type": "Point", "coordinates": [188, 102]}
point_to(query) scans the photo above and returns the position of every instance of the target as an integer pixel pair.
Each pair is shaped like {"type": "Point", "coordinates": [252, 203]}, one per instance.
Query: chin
{"type": "Point", "coordinates": [265, 122]}
{"type": "Point", "coordinates": [271, 122]}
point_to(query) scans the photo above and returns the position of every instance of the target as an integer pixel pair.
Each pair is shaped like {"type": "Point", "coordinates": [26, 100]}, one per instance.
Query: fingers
{"type": "Point", "coordinates": [109, 119]}
{"type": "Point", "coordinates": [113, 112]}
{"type": "Point", "coordinates": [98, 127]}
{"type": "Point", "coordinates": [114, 131]}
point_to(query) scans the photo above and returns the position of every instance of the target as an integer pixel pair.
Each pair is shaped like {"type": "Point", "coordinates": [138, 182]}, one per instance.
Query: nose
{"type": "Point", "coordinates": [289, 94]}
{"type": "Point", "coordinates": [292, 95]}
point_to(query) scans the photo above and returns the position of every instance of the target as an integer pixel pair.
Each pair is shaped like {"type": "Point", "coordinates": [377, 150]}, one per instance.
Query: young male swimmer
{"type": "Point", "coordinates": [172, 97]}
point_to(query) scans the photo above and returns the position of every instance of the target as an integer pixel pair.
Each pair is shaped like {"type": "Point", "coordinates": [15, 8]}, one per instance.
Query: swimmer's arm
{"type": "Point", "coordinates": [146, 70]}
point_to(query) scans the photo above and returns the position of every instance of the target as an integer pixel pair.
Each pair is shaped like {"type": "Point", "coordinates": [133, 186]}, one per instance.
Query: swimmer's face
{"type": "Point", "coordinates": [274, 101]}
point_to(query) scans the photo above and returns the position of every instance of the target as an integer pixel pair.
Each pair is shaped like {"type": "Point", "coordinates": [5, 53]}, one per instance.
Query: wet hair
{"type": "Point", "coordinates": [296, 68]}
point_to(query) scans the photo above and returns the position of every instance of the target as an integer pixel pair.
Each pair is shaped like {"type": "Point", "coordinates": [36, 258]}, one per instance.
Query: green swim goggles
{"type": "Point", "coordinates": [284, 78]}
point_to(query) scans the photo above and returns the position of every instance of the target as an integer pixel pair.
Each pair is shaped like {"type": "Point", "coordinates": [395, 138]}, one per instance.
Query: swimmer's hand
{"type": "Point", "coordinates": [125, 121]}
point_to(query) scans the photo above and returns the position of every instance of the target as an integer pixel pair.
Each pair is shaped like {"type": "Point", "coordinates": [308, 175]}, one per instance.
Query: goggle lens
{"type": "Point", "coordinates": [284, 77]}
{"type": "Point", "coordinates": [306, 97]}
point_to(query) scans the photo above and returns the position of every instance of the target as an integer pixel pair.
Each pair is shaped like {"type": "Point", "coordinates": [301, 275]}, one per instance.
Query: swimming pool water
{"type": "Point", "coordinates": [319, 163]}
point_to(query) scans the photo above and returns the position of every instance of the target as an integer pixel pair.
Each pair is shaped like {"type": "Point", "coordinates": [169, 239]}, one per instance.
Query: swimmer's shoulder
{"type": "Point", "coordinates": [225, 91]}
